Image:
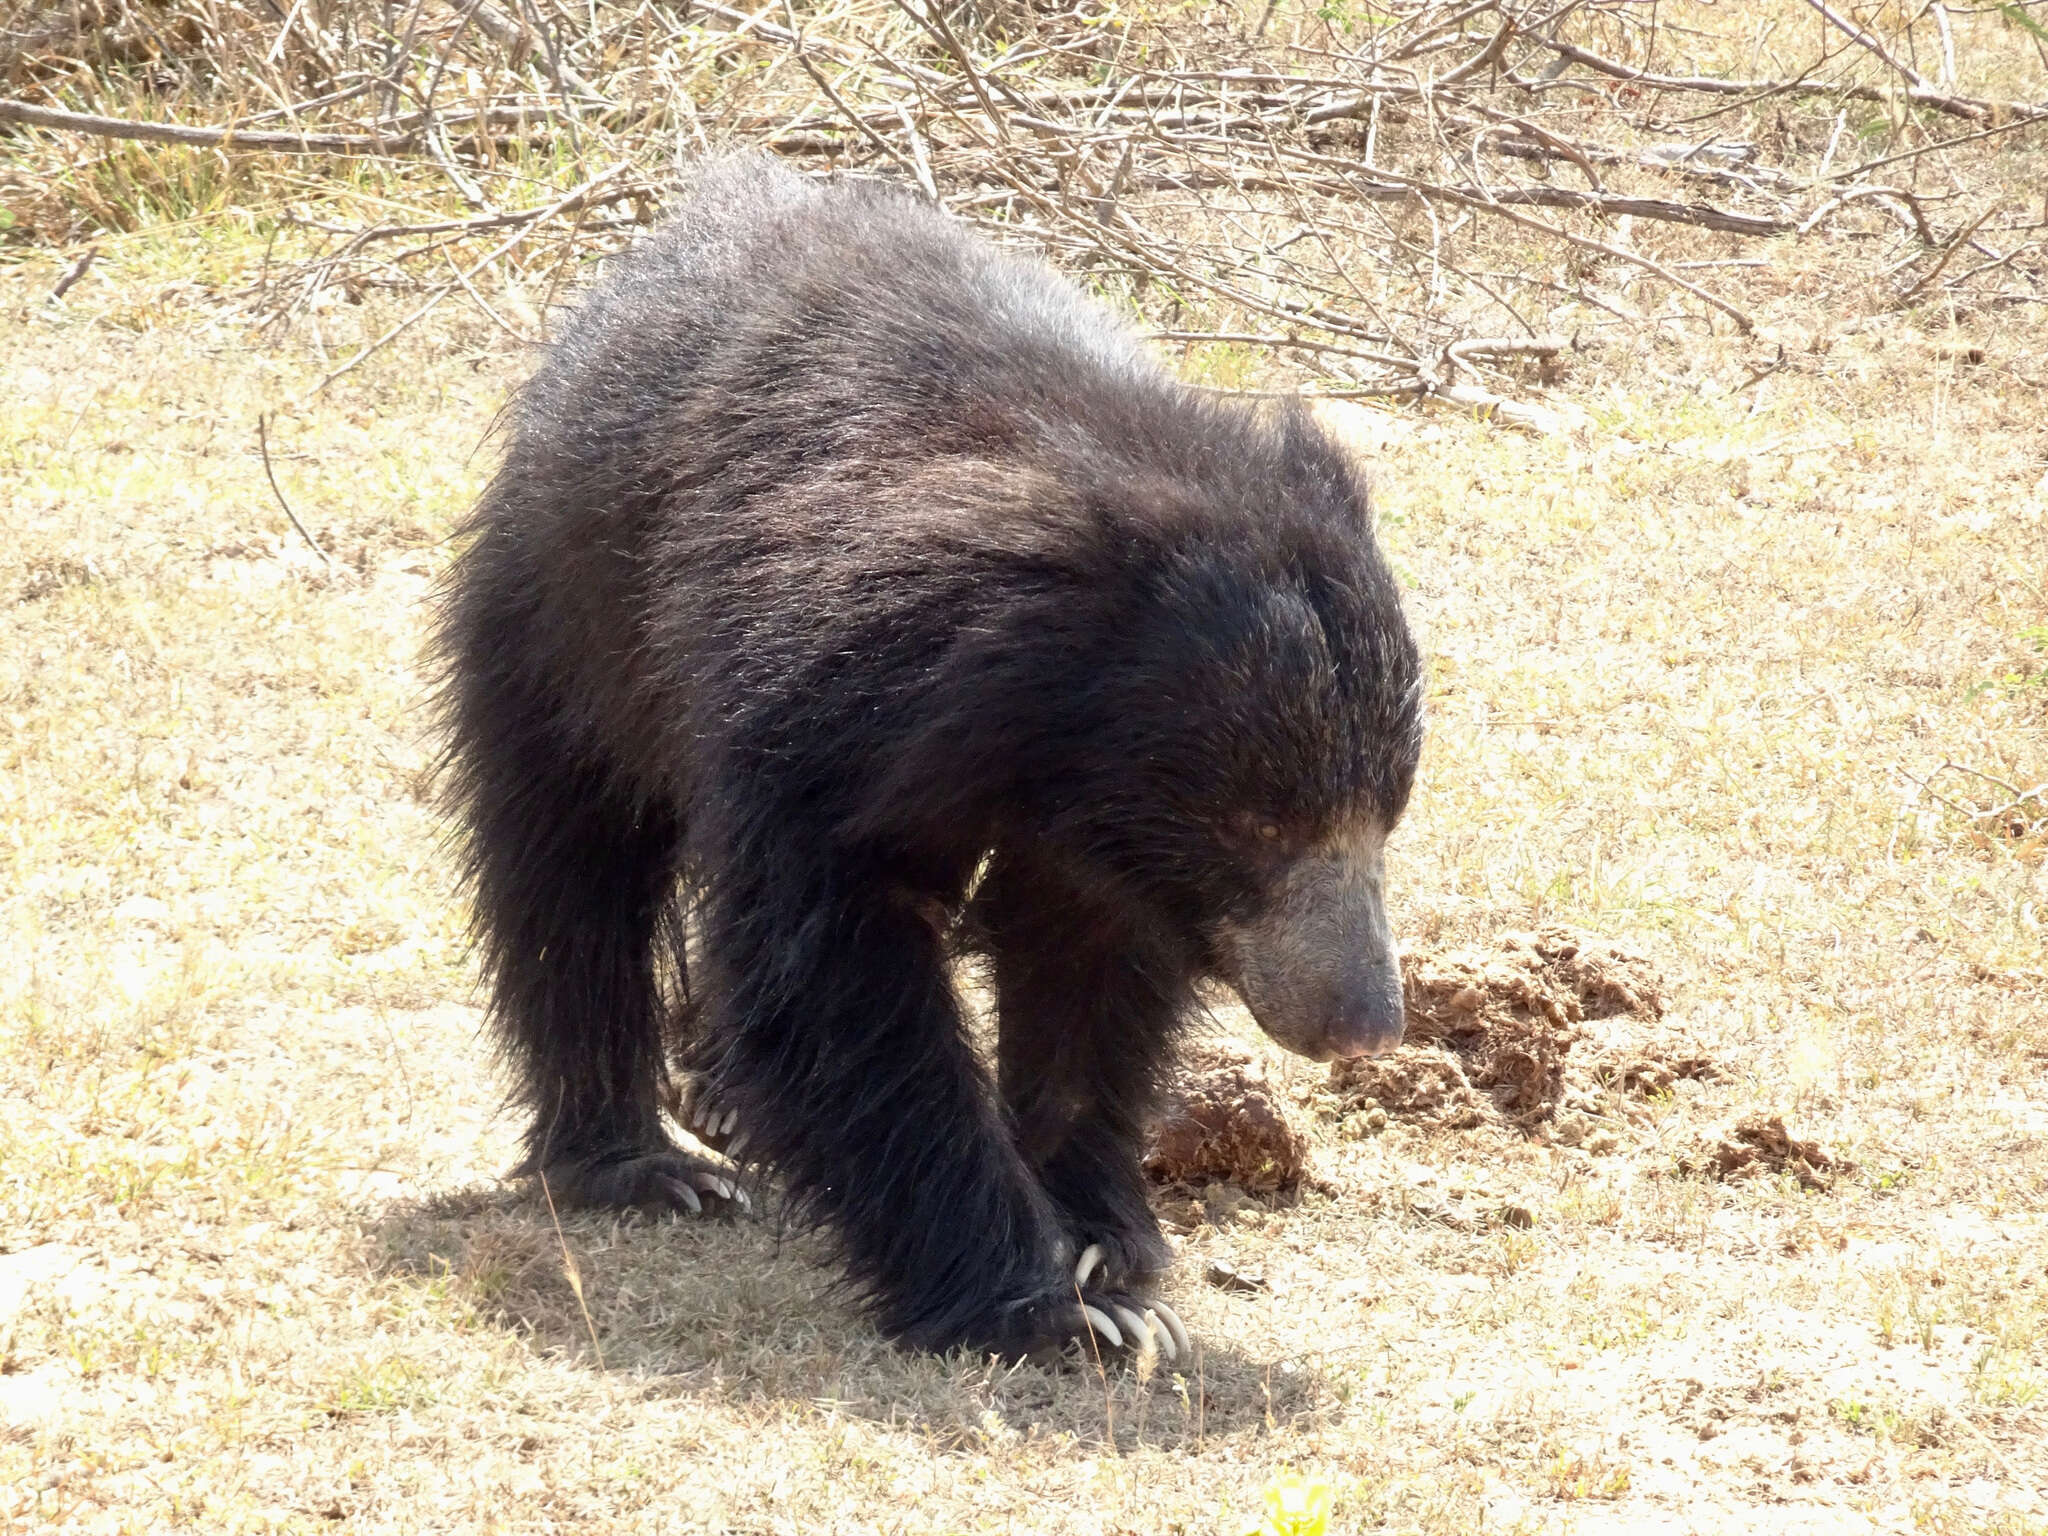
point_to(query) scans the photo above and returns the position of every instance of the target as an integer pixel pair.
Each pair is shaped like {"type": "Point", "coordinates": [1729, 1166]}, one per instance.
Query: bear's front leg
{"type": "Point", "coordinates": [1087, 1018]}
{"type": "Point", "coordinates": [836, 1041]}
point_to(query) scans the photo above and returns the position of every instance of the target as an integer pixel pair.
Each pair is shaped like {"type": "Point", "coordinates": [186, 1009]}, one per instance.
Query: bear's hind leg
{"type": "Point", "coordinates": [573, 881]}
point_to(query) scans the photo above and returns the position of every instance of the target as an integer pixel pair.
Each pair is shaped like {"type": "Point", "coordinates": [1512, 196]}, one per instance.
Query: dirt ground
{"type": "Point", "coordinates": [1734, 1217]}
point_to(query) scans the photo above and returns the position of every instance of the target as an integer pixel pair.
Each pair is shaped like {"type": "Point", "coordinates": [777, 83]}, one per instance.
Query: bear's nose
{"type": "Point", "coordinates": [1366, 1017]}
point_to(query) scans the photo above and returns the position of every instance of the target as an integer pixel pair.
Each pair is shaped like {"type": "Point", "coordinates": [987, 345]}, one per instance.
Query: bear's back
{"type": "Point", "coordinates": [845, 310]}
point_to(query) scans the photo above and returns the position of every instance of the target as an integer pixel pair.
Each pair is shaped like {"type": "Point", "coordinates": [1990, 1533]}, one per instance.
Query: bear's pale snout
{"type": "Point", "coordinates": [1317, 968]}
{"type": "Point", "coordinates": [1366, 1017]}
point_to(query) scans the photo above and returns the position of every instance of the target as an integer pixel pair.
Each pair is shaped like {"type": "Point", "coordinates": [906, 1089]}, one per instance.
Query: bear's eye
{"type": "Point", "coordinates": [1253, 832]}
{"type": "Point", "coordinates": [1255, 835]}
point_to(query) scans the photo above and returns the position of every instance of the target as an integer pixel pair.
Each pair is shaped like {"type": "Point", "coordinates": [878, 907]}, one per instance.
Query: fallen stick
{"type": "Point", "coordinates": [404, 135]}
{"type": "Point", "coordinates": [12, 111]}
{"type": "Point", "coordinates": [1977, 109]}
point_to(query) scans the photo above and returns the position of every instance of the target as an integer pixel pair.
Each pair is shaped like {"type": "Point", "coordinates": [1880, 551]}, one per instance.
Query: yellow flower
{"type": "Point", "coordinates": [1296, 1506]}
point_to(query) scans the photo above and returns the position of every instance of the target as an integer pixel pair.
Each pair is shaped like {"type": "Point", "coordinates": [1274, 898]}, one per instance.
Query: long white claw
{"type": "Point", "coordinates": [696, 1114]}
{"type": "Point", "coordinates": [712, 1183]}
{"type": "Point", "coordinates": [1099, 1321]}
{"type": "Point", "coordinates": [1085, 1265]}
{"type": "Point", "coordinates": [732, 1118]}
{"type": "Point", "coordinates": [1162, 1335]}
{"type": "Point", "coordinates": [1133, 1325]}
{"type": "Point", "coordinates": [689, 1196]}
{"type": "Point", "coordinates": [1182, 1344]}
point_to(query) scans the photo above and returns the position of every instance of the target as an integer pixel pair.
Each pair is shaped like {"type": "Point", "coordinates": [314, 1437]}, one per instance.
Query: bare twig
{"type": "Point", "coordinates": [1976, 108]}
{"type": "Point", "coordinates": [1863, 39]}
{"type": "Point", "coordinates": [1288, 344]}
{"type": "Point", "coordinates": [560, 206]}
{"type": "Point", "coordinates": [1891, 197]}
{"type": "Point", "coordinates": [1996, 783]}
{"type": "Point", "coordinates": [1941, 262]}
{"type": "Point", "coordinates": [74, 272]}
{"type": "Point", "coordinates": [1938, 146]}
{"type": "Point", "coordinates": [263, 444]}
{"type": "Point", "coordinates": [933, 20]}
{"type": "Point", "coordinates": [833, 96]}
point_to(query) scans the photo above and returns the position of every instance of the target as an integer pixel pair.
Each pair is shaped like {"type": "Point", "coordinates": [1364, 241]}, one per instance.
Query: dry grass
{"type": "Point", "coordinates": [1693, 661]}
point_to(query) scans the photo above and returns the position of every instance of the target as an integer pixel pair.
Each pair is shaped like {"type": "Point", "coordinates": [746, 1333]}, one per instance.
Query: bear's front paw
{"type": "Point", "coordinates": [1095, 1319]}
{"type": "Point", "coordinates": [1134, 1319]}
{"type": "Point", "coordinates": [668, 1180]}
{"type": "Point", "coordinates": [1119, 1257]}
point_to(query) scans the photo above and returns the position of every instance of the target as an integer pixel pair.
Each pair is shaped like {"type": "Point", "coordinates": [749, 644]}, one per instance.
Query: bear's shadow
{"type": "Point", "coordinates": [743, 1309]}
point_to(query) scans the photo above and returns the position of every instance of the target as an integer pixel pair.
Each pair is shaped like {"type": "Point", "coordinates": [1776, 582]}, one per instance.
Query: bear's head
{"type": "Point", "coordinates": [1265, 726]}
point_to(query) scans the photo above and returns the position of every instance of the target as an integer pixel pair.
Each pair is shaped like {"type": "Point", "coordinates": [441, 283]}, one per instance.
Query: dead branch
{"type": "Point", "coordinates": [1942, 261]}
{"type": "Point", "coordinates": [1375, 212]}
{"type": "Point", "coordinates": [397, 136]}
{"type": "Point", "coordinates": [263, 445]}
{"type": "Point", "coordinates": [1976, 108]}
{"type": "Point", "coordinates": [200, 138]}
{"type": "Point", "coordinates": [1891, 197]}
{"type": "Point", "coordinates": [1864, 40]}
{"type": "Point", "coordinates": [1485, 58]}
{"type": "Point", "coordinates": [74, 272]}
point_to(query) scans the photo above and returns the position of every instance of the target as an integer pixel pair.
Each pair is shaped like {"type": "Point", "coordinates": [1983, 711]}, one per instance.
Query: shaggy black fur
{"type": "Point", "coordinates": [835, 558]}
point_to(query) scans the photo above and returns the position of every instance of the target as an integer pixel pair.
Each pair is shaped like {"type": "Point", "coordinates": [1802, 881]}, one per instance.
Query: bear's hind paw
{"type": "Point", "coordinates": [706, 1119]}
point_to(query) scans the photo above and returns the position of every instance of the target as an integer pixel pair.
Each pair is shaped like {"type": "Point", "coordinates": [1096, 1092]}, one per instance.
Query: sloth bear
{"type": "Point", "coordinates": [853, 595]}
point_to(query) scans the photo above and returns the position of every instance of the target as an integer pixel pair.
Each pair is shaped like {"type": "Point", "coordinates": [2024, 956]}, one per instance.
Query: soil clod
{"type": "Point", "coordinates": [1227, 1125]}
{"type": "Point", "coordinates": [1761, 1145]}
{"type": "Point", "coordinates": [1492, 1033]}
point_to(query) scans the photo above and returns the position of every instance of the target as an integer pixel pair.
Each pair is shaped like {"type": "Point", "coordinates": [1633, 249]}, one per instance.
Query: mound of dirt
{"type": "Point", "coordinates": [1419, 1084]}
{"type": "Point", "coordinates": [1659, 1066]}
{"type": "Point", "coordinates": [1227, 1125]}
{"type": "Point", "coordinates": [1761, 1145]}
{"type": "Point", "coordinates": [1497, 1036]}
